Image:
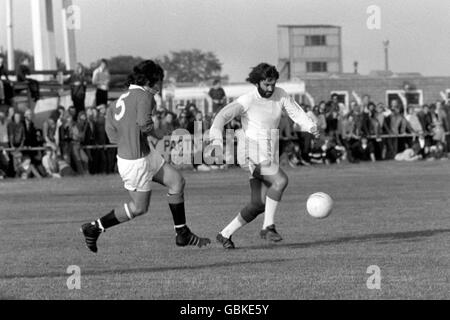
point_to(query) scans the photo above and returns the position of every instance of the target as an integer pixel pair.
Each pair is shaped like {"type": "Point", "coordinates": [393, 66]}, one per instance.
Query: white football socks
{"type": "Point", "coordinates": [269, 214]}
{"type": "Point", "coordinates": [233, 226]}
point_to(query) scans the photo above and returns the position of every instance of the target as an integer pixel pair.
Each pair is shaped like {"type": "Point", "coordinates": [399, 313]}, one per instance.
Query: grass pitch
{"type": "Point", "coordinates": [392, 215]}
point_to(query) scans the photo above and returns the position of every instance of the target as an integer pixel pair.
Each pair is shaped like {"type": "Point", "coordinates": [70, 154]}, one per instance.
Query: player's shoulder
{"type": "Point", "coordinates": [280, 92]}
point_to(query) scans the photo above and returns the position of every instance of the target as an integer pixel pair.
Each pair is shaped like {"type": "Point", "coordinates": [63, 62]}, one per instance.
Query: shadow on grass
{"type": "Point", "coordinates": [384, 237]}
{"type": "Point", "coordinates": [393, 236]}
{"type": "Point", "coordinates": [143, 270]}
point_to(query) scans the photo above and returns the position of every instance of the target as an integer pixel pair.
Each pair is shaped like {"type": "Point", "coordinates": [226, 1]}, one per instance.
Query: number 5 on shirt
{"type": "Point", "coordinates": [120, 104]}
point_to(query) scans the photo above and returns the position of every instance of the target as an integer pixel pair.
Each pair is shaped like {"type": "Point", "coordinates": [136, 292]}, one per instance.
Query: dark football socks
{"type": "Point", "coordinates": [176, 205]}
{"type": "Point", "coordinates": [107, 221]}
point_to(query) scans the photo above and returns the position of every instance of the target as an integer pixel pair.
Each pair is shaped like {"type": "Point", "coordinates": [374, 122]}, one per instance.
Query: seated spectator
{"type": "Point", "coordinates": [437, 152]}
{"type": "Point", "coordinates": [363, 150]}
{"type": "Point", "coordinates": [23, 166]}
{"type": "Point", "coordinates": [327, 151]}
{"type": "Point", "coordinates": [23, 73]}
{"type": "Point", "coordinates": [49, 131]}
{"type": "Point", "coordinates": [50, 163]}
{"type": "Point", "coordinates": [409, 154]}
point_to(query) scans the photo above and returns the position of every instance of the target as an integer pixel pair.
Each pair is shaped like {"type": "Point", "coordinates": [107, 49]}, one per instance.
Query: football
{"type": "Point", "coordinates": [319, 205]}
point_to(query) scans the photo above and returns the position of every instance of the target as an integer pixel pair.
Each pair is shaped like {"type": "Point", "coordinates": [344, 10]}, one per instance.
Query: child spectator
{"type": "Point", "coordinates": [50, 162]}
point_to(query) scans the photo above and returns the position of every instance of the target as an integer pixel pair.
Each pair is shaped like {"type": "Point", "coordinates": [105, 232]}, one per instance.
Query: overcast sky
{"type": "Point", "coordinates": [243, 32]}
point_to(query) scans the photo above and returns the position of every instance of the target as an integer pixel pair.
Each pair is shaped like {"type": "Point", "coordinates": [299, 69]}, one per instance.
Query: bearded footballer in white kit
{"type": "Point", "coordinates": [260, 111]}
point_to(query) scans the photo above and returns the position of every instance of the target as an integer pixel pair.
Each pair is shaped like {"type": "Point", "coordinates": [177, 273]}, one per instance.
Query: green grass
{"type": "Point", "coordinates": [393, 215]}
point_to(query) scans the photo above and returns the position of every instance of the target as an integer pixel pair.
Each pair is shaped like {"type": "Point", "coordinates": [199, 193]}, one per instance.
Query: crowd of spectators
{"type": "Point", "coordinates": [74, 141]}
{"type": "Point", "coordinates": [369, 131]}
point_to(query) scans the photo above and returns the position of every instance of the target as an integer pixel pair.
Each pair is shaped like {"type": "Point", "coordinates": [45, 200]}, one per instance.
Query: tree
{"type": "Point", "coordinates": [121, 64]}
{"type": "Point", "coordinates": [191, 65]}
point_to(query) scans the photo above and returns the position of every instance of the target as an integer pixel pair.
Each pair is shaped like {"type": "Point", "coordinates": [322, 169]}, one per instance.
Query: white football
{"type": "Point", "coordinates": [319, 205]}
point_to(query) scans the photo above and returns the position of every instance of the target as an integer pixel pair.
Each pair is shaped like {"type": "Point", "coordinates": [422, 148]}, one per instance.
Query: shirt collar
{"type": "Point", "coordinates": [133, 86]}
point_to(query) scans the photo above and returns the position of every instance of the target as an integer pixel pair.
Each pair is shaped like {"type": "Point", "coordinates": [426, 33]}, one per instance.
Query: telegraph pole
{"type": "Point", "coordinates": [386, 55]}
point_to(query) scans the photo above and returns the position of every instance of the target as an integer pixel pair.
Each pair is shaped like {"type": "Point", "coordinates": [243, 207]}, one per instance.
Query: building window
{"type": "Point", "coordinates": [316, 40]}
{"type": "Point", "coordinates": [316, 66]}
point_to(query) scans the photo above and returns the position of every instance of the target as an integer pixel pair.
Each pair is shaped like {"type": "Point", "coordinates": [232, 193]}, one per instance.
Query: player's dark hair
{"type": "Point", "coordinates": [216, 81]}
{"type": "Point", "coordinates": [145, 71]}
{"type": "Point", "coordinates": [262, 72]}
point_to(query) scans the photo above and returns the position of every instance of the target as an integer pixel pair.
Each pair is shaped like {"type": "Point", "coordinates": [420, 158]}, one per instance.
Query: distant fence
{"type": "Point", "coordinates": [112, 146]}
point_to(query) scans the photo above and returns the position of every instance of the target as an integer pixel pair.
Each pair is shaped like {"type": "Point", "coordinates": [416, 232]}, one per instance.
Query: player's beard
{"type": "Point", "coordinates": [264, 94]}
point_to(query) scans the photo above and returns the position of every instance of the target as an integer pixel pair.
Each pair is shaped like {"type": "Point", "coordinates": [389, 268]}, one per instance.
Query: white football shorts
{"type": "Point", "coordinates": [137, 174]}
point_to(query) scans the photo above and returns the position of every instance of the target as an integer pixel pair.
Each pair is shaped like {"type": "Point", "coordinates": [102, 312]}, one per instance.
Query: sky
{"type": "Point", "coordinates": [243, 33]}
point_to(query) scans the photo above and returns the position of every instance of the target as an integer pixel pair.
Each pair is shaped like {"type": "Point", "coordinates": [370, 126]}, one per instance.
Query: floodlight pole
{"type": "Point", "coordinates": [9, 35]}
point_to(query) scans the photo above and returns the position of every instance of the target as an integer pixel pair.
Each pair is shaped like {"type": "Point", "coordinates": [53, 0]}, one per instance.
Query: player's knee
{"type": "Point", "coordinates": [251, 211]}
{"type": "Point", "coordinates": [260, 208]}
{"type": "Point", "coordinates": [139, 209]}
{"type": "Point", "coordinates": [281, 183]}
{"type": "Point", "coordinates": [178, 185]}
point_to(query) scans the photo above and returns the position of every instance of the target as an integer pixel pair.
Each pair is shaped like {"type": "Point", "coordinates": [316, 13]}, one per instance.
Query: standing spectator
{"type": "Point", "coordinates": [77, 134]}
{"type": "Point", "coordinates": [169, 123]}
{"type": "Point", "coordinates": [31, 141]}
{"type": "Point", "coordinates": [101, 79]}
{"type": "Point", "coordinates": [49, 133]}
{"type": "Point", "coordinates": [440, 123]}
{"type": "Point", "coordinates": [321, 116]}
{"type": "Point", "coordinates": [89, 140]}
{"type": "Point", "coordinates": [23, 73]}
{"type": "Point", "coordinates": [30, 129]}
{"type": "Point", "coordinates": [217, 95]}
{"type": "Point", "coordinates": [4, 143]}
{"type": "Point", "coordinates": [6, 91]}
{"type": "Point", "coordinates": [349, 137]}
{"type": "Point", "coordinates": [16, 132]}
{"type": "Point", "coordinates": [413, 120]}
{"type": "Point", "coordinates": [78, 85]}
{"type": "Point", "coordinates": [425, 119]}
{"type": "Point", "coordinates": [305, 138]}
{"type": "Point", "coordinates": [109, 154]}
{"type": "Point", "coordinates": [4, 136]}
{"type": "Point", "coordinates": [397, 126]}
